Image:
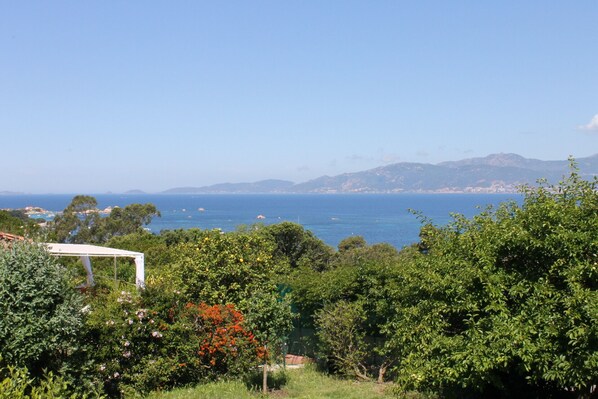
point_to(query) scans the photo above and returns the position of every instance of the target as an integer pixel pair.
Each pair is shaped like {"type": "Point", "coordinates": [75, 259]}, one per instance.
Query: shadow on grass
{"type": "Point", "coordinates": [276, 380]}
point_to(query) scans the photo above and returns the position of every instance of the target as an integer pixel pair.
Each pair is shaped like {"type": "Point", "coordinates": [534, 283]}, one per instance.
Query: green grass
{"type": "Point", "coordinates": [302, 383]}
{"type": "Point", "coordinates": [310, 384]}
{"type": "Point", "coordinates": [220, 390]}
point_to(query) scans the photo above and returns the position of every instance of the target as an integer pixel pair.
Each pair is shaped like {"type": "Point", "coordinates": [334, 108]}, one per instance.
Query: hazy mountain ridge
{"type": "Point", "coordinates": [496, 173]}
{"type": "Point", "coordinates": [260, 187]}
{"type": "Point", "coordinates": [6, 192]}
{"type": "Point", "coordinates": [514, 160]}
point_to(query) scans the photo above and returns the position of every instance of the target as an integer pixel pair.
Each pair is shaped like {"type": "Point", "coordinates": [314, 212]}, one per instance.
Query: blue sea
{"type": "Point", "coordinates": [376, 217]}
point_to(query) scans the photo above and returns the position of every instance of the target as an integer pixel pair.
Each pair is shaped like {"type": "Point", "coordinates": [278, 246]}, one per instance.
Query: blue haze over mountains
{"type": "Point", "coordinates": [496, 173]}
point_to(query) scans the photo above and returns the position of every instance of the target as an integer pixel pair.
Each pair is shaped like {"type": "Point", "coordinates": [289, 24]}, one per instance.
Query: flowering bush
{"type": "Point", "coordinates": [182, 328]}
{"type": "Point", "coordinates": [226, 347]}
{"type": "Point", "coordinates": [155, 341]}
{"type": "Point", "coordinates": [127, 337]}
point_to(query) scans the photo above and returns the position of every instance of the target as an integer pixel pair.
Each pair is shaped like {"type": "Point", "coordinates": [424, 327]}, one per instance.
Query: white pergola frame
{"type": "Point", "coordinates": [85, 252]}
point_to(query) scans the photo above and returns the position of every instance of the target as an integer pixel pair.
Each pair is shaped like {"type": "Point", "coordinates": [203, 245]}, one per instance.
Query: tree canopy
{"type": "Point", "coordinates": [81, 222]}
{"type": "Point", "coordinates": [17, 222]}
{"type": "Point", "coordinates": [505, 302]}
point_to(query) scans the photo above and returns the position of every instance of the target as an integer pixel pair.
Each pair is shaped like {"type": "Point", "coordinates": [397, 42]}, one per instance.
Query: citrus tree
{"type": "Point", "coordinates": [219, 268]}
{"type": "Point", "coordinates": [505, 302]}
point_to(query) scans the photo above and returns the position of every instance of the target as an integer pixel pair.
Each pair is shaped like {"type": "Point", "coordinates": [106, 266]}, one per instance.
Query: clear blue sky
{"type": "Point", "coordinates": [100, 96]}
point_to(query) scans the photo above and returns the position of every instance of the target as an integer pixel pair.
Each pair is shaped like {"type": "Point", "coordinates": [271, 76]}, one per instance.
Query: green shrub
{"type": "Point", "coordinates": [18, 222]}
{"type": "Point", "coordinates": [17, 383]}
{"type": "Point", "coordinates": [342, 339]}
{"type": "Point", "coordinates": [157, 341]}
{"type": "Point", "coordinates": [224, 268]}
{"type": "Point", "coordinates": [504, 304]}
{"type": "Point", "coordinates": [126, 339]}
{"type": "Point", "coordinates": [41, 315]}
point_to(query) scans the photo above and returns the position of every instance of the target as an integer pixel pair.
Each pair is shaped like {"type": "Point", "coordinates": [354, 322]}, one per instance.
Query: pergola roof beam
{"type": "Point", "coordinates": [85, 251]}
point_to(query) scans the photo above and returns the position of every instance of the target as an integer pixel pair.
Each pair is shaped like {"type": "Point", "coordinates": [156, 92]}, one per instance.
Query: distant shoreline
{"type": "Point", "coordinates": [269, 193]}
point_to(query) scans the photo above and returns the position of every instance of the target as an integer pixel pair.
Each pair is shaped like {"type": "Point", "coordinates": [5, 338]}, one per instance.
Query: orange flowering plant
{"type": "Point", "coordinates": [225, 345]}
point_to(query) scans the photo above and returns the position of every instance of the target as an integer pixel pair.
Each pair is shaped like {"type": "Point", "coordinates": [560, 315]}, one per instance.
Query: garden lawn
{"type": "Point", "coordinates": [301, 383]}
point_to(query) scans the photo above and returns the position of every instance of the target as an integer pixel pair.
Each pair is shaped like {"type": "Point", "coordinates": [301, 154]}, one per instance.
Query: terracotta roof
{"type": "Point", "coordinates": [10, 237]}
{"type": "Point", "coordinates": [296, 359]}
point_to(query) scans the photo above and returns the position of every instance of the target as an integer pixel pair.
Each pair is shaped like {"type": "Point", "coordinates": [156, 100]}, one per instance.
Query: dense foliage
{"type": "Point", "coordinates": [348, 304]}
{"type": "Point", "coordinates": [500, 305]}
{"type": "Point", "coordinates": [81, 222]}
{"type": "Point", "coordinates": [297, 246]}
{"type": "Point", "coordinates": [18, 222]}
{"type": "Point", "coordinates": [226, 346]}
{"type": "Point", "coordinates": [41, 316]}
{"type": "Point", "coordinates": [152, 341]}
{"type": "Point", "coordinates": [505, 303]}
{"type": "Point", "coordinates": [17, 383]}
{"type": "Point", "coordinates": [222, 268]}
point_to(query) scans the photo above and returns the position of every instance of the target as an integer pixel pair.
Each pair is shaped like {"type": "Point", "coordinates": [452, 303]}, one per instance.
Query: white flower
{"type": "Point", "coordinates": [127, 343]}
{"type": "Point", "coordinates": [86, 309]}
{"type": "Point", "coordinates": [141, 314]}
{"type": "Point", "coordinates": [102, 367]}
{"type": "Point", "coordinates": [127, 354]}
{"type": "Point", "coordinates": [130, 321]}
{"type": "Point", "coordinates": [110, 323]}
{"type": "Point", "coordinates": [116, 374]}
{"type": "Point", "coordinates": [124, 297]}
{"type": "Point", "coordinates": [156, 334]}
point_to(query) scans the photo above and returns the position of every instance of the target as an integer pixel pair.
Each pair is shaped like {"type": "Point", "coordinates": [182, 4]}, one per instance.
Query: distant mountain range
{"type": "Point", "coordinates": [10, 193]}
{"type": "Point", "coordinates": [496, 173]}
{"type": "Point", "coordinates": [264, 186]}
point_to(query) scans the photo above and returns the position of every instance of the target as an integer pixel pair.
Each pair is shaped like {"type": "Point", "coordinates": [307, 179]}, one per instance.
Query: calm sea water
{"type": "Point", "coordinates": [376, 217]}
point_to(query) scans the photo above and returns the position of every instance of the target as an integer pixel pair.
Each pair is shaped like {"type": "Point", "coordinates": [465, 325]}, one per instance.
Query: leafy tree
{"type": "Point", "coordinates": [41, 318]}
{"type": "Point", "coordinates": [358, 281]}
{"type": "Point", "coordinates": [504, 304]}
{"type": "Point", "coordinates": [77, 221]}
{"type": "Point", "coordinates": [127, 220]}
{"type": "Point", "coordinates": [350, 274]}
{"type": "Point", "coordinates": [297, 246]}
{"type": "Point", "coordinates": [222, 268]}
{"type": "Point", "coordinates": [180, 236]}
{"type": "Point", "coordinates": [271, 319]}
{"type": "Point", "coordinates": [342, 338]}
{"type": "Point", "coordinates": [352, 242]}
{"type": "Point", "coordinates": [81, 222]}
{"type": "Point", "coordinates": [17, 222]}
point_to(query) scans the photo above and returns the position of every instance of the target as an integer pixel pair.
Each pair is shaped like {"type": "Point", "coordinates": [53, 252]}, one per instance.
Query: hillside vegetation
{"type": "Point", "coordinates": [501, 305]}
